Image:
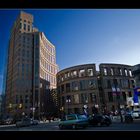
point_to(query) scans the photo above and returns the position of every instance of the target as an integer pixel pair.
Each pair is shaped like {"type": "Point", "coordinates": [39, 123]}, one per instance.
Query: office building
{"type": "Point", "coordinates": [78, 88]}
{"type": "Point", "coordinates": [82, 86]}
{"type": "Point", "coordinates": [31, 68]}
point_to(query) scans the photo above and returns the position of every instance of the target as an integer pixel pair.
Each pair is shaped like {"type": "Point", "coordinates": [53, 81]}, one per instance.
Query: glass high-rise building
{"type": "Point", "coordinates": [31, 68]}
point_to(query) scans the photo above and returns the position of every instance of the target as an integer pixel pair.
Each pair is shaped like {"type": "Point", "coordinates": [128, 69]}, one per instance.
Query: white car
{"type": "Point", "coordinates": [23, 122]}
{"type": "Point", "coordinates": [135, 114]}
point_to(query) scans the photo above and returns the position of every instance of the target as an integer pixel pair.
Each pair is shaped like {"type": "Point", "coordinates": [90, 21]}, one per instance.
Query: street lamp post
{"type": "Point", "coordinates": [68, 101]}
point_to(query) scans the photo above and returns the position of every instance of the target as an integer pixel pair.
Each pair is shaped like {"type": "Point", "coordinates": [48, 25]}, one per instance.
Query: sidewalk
{"type": "Point", "coordinates": [7, 125]}
{"type": "Point", "coordinates": [51, 121]}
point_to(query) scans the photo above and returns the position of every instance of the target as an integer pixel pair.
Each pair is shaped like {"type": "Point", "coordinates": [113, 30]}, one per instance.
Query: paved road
{"type": "Point", "coordinates": [53, 126]}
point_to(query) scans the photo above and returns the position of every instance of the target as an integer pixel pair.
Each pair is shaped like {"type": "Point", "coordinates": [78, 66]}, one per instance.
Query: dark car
{"type": "Point", "coordinates": [23, 122]}
{"type": "Point", "coordinates": [128, 117]}
{"type": "Point", "coordinates": [99, 120]}
{"type": "Point", "coordinates": [73, 121]}
{"type": "Point", "coordinates": [9, 121]}
{"type": "Point", "coordinates": [34, 122]}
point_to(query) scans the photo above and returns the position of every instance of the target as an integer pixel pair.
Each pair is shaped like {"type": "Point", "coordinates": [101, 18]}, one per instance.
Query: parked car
{"type": "Point", "coordinates": [34, 122]}
{"type": "Point", "coordinates": [73, 121]}
{"type": "Point", "coordinates": [128, 117]}
{"type": "Point", "coordinates": [136, 114]}
{"type": "Point", "coordinates": [23, 122]}
{"type": "Point", "coordinates": [100, 120]}
{"type": "Point", "coordinates": [8, 121]}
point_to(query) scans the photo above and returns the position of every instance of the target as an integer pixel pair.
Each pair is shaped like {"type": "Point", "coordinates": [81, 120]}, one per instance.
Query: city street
{"type": "Point", "coordinates": [53, 126]}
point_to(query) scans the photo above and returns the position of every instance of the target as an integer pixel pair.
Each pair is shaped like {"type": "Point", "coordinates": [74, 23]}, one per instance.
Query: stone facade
{"type": "Point", "coordinates": [83, 85]}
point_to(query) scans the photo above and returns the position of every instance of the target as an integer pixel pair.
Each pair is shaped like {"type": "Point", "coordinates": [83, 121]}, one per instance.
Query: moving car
{"type": "Point", "coordinates": [23, 122]}
{"type": "Point", "coordinates": [100, 120]}
{"type": "Point", "coordinates": [73, 121]}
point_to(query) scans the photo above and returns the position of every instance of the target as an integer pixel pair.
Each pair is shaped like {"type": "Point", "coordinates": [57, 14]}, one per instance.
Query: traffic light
{"type": "Point", "coordinates": [20, 105]}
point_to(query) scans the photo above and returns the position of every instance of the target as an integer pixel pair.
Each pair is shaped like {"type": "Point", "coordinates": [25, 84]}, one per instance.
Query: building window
{"type": "Point", "coordinates": [65, 75]}
{"type": "Point", "coordinates": [75, 86]}
{"type": "Point", "coordinates": [92, 84]}
{"type": "Point", "coordinates": [115, 82]}
{"type": "Point", "coordinates": [68, 75]}
{"type": "Point", "coordinates": [125, 83]}
{"type": "Point", "coordinates": [68, 87]}
{"type": "Point", "coordinates": [82, 73]}
{"type": "Point", "coordinates": [23, 39]}
{"type": "Point", "coordinates": [120, 84]}
{"type": "Point", "coordinates": [62, 79]}
{"type": "Point", "coordinates": [120, 71]}
{"type": "Point", "coordinates": [28, 39]}
{"type": "Point", "coordinates": [40, 85]}
{"type": "Point", "coordinates": [84, 98]}
{"type": "Point", "coordinates": [130, 73]}
{"type": "Point", "coordinates": [112, 71]}
{"type": "Point", "coordinates": [28, 27]}
{"type": "Point", "coordinates": [59, 91]}
{"type": "Point", "coordinates": [47, 86]}
{"type": "Point", "coordinates": [62, 88]}
{"type": "Point", "coordinates": [110, 97]}
{"type": "Point", "coordinates": [93, 98]}
{"type": "Point", "coordinates": [108, 84]}
{"type": "Point", "coordinates": [74, 73]}
{"type": "Point", "coordinates": [83, 85]}
{"type": "Point", "coordinates": [24, 26]}
{"type": "Point", "coordinates": [125, 70]}
{"type": "Point", "coordinates": [76, 98]}
{"type": "Point", "coordinates": [105, 71]}
{"type": "Point", "coordinates": [90, 72]}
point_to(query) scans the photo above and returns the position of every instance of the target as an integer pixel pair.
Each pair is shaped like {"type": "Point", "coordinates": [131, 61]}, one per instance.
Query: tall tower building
{"type": "Point", "coordinates": [31, 69]}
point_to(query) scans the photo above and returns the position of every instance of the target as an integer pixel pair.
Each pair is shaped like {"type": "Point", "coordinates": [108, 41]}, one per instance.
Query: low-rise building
{"type": "Point", "coordinates": [82, 87]}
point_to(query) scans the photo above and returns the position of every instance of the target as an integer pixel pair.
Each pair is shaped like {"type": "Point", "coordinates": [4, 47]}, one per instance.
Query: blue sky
{"type": "Point", "coordinates": [82, 36]}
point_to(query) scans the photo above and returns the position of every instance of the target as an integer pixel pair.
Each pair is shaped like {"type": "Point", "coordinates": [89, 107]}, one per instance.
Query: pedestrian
{"type": "Point", "coordinates": [121, 112]}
